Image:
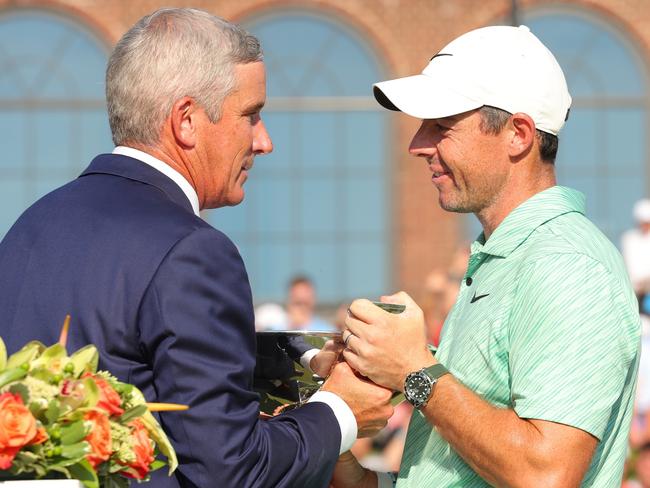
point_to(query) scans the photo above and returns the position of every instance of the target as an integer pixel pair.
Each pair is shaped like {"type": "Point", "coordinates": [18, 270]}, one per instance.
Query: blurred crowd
{"type": "Point", "coordinates": [384, 452]}
{"type": "Point", "coordinates": [635, 247]}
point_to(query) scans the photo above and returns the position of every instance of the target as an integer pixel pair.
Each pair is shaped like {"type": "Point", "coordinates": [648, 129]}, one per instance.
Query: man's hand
{"type": "Point", "coordinates": [323, 362]}
{"type": "Point", "coordinates": [369, 402]}
{"type": "Point", "coordinates": [386, 347]}
{"type": "Point", "coordinates": [348, 473]}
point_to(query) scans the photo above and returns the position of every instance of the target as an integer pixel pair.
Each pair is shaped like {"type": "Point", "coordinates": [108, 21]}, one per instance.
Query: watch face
{"type": "Point", "coordinates": [418, 388]}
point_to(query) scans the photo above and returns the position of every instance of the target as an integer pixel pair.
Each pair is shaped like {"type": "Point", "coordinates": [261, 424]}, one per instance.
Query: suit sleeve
{"type": "Point", "coordinates": [295, 346]}
{"type": "Point", "coordinates": [197, 330]}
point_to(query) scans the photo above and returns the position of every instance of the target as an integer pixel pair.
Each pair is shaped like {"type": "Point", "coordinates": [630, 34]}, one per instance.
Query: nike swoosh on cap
{"type": "Point", "coordinates": [440, 54]}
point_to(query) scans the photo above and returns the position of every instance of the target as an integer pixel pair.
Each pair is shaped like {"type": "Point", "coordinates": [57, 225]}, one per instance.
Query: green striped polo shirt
{"type": "Point", "coordinates": [546, 323]}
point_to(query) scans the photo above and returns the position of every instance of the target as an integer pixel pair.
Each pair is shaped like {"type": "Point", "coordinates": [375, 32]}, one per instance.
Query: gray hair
{"type": "Point", "coordinates": [172, 53]}
{"type": "Point", "coordinates": [493, 120]}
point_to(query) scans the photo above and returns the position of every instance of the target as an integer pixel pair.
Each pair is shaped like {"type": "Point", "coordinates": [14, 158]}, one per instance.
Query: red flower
{"type": "Point", "coordinates": [99, 437]}
{"type": "Point", "coordinates": [17, 427]}
{"type": "Point", "coordinates": [143, 449]}
{"type": "Point", "coordinates": [109, 399]}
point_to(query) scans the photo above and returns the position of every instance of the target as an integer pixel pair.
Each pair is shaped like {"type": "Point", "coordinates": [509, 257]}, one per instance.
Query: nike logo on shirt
{"type": "Point", "coordinates": [477, 298]}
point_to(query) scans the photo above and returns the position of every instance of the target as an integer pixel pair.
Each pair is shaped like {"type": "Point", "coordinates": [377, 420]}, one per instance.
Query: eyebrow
{"type": "Point", "coordinates": [255, 108]}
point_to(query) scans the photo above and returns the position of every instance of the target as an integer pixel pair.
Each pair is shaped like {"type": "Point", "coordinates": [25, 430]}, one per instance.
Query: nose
{"type": "Point", "coordinates": [423, 142]}
{"type": "Point", "coordinates": [262, 143]}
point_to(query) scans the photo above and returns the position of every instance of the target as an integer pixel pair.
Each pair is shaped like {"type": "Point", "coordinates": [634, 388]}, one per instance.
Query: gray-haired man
{"type": "Point", "coordinates": [163, 295]}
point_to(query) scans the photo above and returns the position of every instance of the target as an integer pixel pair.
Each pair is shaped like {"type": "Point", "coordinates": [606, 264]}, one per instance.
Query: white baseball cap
{"type": "Point", "coordinates": [500, 66]}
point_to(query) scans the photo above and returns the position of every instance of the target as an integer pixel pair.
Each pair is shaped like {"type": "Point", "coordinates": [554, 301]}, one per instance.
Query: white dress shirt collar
{"type": "Point", "coordinates": [165, 169]}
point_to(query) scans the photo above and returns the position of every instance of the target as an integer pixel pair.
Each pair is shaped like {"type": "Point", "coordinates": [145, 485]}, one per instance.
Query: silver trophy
{"type": "Point", "coordinates": [281, 381]}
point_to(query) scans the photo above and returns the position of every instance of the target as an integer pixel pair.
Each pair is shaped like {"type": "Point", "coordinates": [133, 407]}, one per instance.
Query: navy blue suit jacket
{"type": "Point", "coordinates": [166, 299]}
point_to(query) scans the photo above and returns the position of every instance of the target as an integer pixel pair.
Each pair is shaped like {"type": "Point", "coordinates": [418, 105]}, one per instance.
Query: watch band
{"type": "Point", "coordinates": [436, 371]}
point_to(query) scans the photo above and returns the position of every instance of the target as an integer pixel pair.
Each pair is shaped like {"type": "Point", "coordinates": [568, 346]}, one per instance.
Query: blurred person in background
{"type": "Point", "coordinates": [270, 316]}
{"type": "Point", "coordinates": [441, 289]}
{"type": "Point", "coordinates": [301, 306]}
{"type": "Point", "coordinates": [642, 466]}
{"type": "Point", "coordinates": [635, 247]}
{"type": "Point", "coordinates": [640, 429]}
{"type": "Point", "coordinates": [637, 468]}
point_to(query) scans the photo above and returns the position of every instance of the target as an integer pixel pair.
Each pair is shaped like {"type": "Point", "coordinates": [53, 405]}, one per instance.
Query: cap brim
{"type": "Point", "coordinates": [422, 97]}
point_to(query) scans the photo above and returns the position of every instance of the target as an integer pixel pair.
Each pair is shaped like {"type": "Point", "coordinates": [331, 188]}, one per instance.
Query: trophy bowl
{"type": "Point", "coordinates": [280, 380]}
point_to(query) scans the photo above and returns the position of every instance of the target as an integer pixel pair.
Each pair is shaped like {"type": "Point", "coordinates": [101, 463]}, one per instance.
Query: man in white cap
{"type": "Point", "coordinates": [635, 245]}
{"type": "Point", "coordinates": [533, 382]}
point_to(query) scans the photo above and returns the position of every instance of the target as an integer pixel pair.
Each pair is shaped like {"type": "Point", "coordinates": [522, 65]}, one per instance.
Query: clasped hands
{"type": "Point", "coordinates": [377, 350]}
{"type": "Point", "coordinates": [370, 362]}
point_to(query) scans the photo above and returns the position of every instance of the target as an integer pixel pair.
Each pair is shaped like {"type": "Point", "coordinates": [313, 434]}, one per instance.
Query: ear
{"type": "Point", "coordinates": [522, 135]}
{"type": "Point", "coordinates": [184, 122]}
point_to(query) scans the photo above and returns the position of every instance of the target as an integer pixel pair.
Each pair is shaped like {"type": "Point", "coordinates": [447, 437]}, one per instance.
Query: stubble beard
{"type": "Point", "coordinates": [467, 201]}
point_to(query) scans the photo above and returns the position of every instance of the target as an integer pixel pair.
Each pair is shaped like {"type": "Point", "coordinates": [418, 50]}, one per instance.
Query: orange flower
{"type": "Point", "coordinates": [17, 424]}
{"type": "Point", "coordinates": [143, 449]}
{"type": "Point", "coordinates": [40, 437]}
{"type": "Point", "coordinates": [99, 437]}
{"type": "Point", "coordinates": [17, 427]}
{"type": "Point", "coordinates": [109, 399]}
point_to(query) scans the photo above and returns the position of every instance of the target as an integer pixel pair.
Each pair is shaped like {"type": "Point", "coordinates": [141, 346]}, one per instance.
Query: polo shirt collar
{"type": "Point", "coordinates": [528, 216]}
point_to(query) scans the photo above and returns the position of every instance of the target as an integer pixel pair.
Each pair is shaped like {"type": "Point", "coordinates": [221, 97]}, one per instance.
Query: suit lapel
{"type": "Point", "coordinates": [133, 169]}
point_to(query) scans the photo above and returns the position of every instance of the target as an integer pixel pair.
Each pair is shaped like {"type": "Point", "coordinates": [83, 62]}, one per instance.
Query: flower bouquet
{"type": "Point", "coordinates": [61, 418]}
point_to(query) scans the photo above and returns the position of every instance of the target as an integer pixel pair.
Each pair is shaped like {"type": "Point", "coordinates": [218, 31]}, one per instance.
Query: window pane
{"type": "Point", "coordinates": [318, 138]}
{"type": "Point", "coordinates": [54, 69]}
{"type": "Point", "coordinates": [319, 198]}
{"type": "Point", "coordinates": [317, 209]}
{"type": "Point", "coordinates": [366, 270]}
{"type": "Point", "coordinates": [602, 146]}
{"type": "Point", "coordinates": [589, 47]}
{"type": "Point", "coordinates": [12, 128]}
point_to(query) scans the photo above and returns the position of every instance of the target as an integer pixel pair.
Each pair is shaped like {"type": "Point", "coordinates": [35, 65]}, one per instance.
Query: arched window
{"type": "Point", "coordinates": [318, 204]}
{"type": "Point", "coordinates": [603, 150]}
{"type": "Point", "coordinates": [52, 110]}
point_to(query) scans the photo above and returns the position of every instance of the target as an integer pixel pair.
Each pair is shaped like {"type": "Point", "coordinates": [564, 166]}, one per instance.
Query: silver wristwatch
{"type": "Point", "coordinates": [418, 385]}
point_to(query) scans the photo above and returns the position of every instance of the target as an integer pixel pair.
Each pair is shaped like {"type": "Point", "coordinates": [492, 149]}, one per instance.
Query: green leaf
{"type": "Point", "coordinates": [25, 457]}
{"type": "Point", "coordinates": [85, 473]}
{"type": "Point", "coordinates": [124, 389]}
{"type": "Point", "coordinates": [60, 469]}
{"type": "Point", "coordinates": [115, 481]}
{"type": "Point", "coordinates": [157, 464]}
{"type": "Point", "coordinates": [132, 413]}
{"type": "Point", "coordinates": [74, 451]}
{"type": "Point", "coordinates": [29, 351]}
{"type": "Point", "coordinates": [10, 375]}
{"type": "Point", "coordinates": [22, 390]}
{"type": "Point", "coordinates": [85, 359]}
{"type": "Point", "coordinates": [73, 433]}
{"type": "Point", "coordinates": [91, 392]}
{"type": "Point", "coordinates": [53, 411]}
{"type": "Point", "coordinates": [51, 358]}
{"type": "Point", "coordinates": [3, 354]}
